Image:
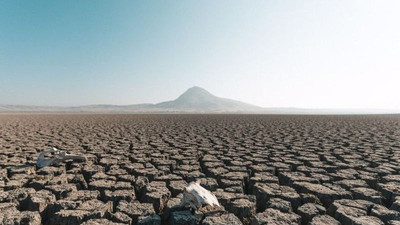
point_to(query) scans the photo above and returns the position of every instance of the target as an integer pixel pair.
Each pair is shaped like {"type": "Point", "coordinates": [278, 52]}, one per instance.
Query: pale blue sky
{"type": "Point", "coordinates": [312, 54]}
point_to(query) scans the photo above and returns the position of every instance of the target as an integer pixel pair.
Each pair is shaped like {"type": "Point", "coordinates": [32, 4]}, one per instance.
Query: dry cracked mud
{"type": "Point", "coordinates": [264, 169]}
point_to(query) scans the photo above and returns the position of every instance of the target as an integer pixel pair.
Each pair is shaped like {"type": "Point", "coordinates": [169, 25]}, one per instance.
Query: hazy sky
{"type": "Point", "coordinates": [315, 54]}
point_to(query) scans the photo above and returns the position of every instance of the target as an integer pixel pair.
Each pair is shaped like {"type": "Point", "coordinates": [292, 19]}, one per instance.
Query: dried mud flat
{"type": "Point", "coordinates": [263, 169]}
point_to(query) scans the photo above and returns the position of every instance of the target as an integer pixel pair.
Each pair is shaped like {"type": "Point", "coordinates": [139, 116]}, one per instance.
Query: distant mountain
{"type": "Point", "coordinates": [194, 100]}
{"type": "Point", "coordinates": [197, 99]}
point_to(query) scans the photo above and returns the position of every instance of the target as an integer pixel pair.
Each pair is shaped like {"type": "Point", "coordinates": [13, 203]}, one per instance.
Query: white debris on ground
{"type": "Point", "coordinates": [56, 157]}
{"type": "Point", "coordinates": [196, 196]}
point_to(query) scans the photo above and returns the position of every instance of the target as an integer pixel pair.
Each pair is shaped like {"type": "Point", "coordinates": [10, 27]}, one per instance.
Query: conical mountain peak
{"type": "Point", "coordinates": [197, 99]}
{"type": "Point", "coordinates": [193, 100]}
{"type": "Point", "coordinates": [196, 92]}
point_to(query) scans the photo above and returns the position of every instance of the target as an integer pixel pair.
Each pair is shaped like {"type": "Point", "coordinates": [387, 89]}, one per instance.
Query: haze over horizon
{"type": "Point", "coordinates": [308, 54]}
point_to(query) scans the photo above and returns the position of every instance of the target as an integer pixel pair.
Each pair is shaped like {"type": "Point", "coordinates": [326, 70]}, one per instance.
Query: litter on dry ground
{"type": "Point", "coordinates": [56, 157]}
{"type": "Point", "coordinates": [195, 196]}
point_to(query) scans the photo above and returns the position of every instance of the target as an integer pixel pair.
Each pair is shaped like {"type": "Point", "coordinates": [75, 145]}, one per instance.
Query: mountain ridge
{"type": "Point", "coordinates": [193, 100]}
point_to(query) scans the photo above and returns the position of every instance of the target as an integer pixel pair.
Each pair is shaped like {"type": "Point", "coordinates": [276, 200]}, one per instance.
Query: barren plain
{"type": "Point", "coordinates": [264, 169]}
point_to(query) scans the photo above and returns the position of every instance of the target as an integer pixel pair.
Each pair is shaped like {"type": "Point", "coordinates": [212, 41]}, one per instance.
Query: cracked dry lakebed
{"type": "Point", "coordinates": [263, 169]}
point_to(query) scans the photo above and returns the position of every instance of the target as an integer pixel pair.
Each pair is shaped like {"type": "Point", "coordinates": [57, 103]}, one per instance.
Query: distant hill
{"type": "Point", "coordinates": [194, 100]}
{"type": "Point", "coordinates": [197, 99]}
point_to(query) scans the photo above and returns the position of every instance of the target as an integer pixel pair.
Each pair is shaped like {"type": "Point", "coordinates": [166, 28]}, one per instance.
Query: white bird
{"type": "Point", "coordinates": [196, 196]}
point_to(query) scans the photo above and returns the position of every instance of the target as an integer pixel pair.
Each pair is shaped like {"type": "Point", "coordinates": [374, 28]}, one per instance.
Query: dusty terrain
{"type": "Point", "coordinates": [263, 169]}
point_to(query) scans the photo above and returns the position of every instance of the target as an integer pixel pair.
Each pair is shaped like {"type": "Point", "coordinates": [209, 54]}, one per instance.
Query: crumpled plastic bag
{"type": "Point", "coordinates": [57, 157]}
{"type": "Point", "coordinates": [195, 196]}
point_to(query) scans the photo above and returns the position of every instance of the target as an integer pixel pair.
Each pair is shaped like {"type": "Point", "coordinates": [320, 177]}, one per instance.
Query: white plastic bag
{"type": "Point", "coordinates": [58, 156]}
{"type": "Point", "coordinates": [196, 196]}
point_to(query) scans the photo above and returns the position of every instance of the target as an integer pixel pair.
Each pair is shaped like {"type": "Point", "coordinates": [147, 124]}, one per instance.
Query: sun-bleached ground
{"type": "Point", "coordinates": [263, 169]}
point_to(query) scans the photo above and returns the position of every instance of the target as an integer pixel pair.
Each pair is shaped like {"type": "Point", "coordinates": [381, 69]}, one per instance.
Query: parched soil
{"type": "Point", "coordinates": [264, 169]}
